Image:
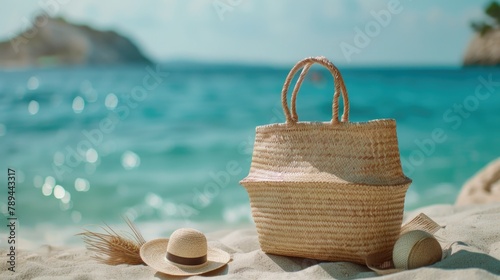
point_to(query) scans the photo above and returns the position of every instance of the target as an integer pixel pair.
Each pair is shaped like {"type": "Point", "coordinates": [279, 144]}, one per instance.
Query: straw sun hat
{"type": "Point", "coordinates": [185, 253]}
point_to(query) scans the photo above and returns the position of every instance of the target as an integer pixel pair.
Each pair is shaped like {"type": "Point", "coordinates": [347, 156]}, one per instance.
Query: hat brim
{"type": "Point", "coordinates": [154, 252]}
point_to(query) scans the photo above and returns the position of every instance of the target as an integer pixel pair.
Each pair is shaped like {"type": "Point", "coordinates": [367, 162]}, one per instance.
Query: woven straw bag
{"type": "Point", "coordinates": [326, 190]}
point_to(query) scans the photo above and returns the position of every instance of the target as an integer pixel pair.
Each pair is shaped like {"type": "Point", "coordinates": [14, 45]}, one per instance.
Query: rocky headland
{"type": "Point", "coordinates": [57, 42]}
{"type": "Point", "coordinates": [484, 48]}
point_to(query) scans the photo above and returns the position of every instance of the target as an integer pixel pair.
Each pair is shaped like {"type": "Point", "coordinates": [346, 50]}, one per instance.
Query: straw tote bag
{"type": "Point", "coordinates": [326, 190]}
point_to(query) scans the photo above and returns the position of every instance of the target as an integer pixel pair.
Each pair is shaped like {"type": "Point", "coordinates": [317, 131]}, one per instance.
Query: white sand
{"type": "Point", "coordinates": [475, 255]}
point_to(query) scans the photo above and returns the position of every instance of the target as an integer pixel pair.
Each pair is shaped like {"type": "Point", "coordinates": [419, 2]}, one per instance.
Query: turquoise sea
{"type": "Point", "coordinates": [166, 145]}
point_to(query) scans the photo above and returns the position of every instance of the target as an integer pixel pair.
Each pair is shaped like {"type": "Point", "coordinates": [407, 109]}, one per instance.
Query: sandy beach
{"type": "Point", "coordinates": [472, 232]}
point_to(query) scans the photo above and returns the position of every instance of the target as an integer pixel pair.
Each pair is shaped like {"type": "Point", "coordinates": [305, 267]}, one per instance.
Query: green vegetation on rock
{"type": "Point", "coordinates": [492, 22]}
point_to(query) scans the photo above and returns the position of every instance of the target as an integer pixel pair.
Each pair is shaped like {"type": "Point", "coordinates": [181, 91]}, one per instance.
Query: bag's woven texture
{"type": "Point", "coordinates": [326, 190]}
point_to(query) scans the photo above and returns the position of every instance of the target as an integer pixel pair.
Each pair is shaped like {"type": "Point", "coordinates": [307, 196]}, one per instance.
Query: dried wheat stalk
{"type": "Point", "coordinates": [112, 248]}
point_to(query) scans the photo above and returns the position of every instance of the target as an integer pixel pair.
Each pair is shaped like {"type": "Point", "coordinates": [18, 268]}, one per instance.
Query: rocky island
{"type": "Point", "coordinates": [56, 42]}
{"type": "Point", "coordinates": [484, 49]}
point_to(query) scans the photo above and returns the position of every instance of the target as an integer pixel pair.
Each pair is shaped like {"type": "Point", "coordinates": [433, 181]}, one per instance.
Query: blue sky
{"type": "Point", "coordinates": [421, 32]}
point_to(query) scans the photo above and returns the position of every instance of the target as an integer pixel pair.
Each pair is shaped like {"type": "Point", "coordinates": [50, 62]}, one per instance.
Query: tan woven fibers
{"type": "Point", "coordinates": [326, 190]}
{"type": "Point", "coordinates": [416, 249]}
{"type": "Point", "coordinates": [363, 153]}
{"type": "Point", "coordinates": [326, 221]}
{"type": "Point", "coordinates": [188, 243]}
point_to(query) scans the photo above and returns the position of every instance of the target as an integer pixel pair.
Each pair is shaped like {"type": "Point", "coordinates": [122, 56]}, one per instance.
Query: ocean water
{"type": "Point", "coordinates": [167, 145]}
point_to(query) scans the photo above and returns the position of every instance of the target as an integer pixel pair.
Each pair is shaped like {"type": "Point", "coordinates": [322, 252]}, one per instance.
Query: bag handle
{"type": "Point", "coordinates": [306, 64]}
